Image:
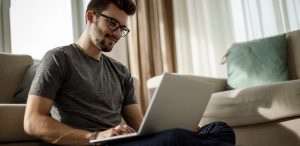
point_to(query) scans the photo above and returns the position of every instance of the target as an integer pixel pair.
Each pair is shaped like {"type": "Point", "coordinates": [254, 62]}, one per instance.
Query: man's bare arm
{"type": "Point", "coordinates": [37, 122]}
{"type": "Point", "coordinates": [132, 115]}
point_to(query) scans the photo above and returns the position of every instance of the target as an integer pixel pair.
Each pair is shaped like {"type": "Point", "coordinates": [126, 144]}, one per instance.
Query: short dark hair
{"type": "Point", "coordinates": [100, 5]}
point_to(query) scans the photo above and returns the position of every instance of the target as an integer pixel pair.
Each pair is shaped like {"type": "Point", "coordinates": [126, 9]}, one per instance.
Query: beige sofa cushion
{"type": "Point", "coordinates": [11, 123]}
{"type": "Point", "coordinates": [12, 68]}
{"type": "Point", "coordinates": [254, 105]}
{"type": "Point", "coordinates": [276, 133]}
{"type": "Point", "coordinates": [294, 54]}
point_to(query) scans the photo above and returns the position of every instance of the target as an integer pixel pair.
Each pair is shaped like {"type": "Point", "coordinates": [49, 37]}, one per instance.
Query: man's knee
{"type": "Point", "coordinates": [220, 131]}
{"type": "Point", "coordinates": [216, 127]}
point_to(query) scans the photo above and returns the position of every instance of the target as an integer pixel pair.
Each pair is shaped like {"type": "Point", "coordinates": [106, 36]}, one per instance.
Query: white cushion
{"type": "Point", "coordinates": [254, 105]}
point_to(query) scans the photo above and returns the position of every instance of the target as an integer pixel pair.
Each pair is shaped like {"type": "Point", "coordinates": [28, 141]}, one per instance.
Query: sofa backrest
{"type": "Point", "coordinates": [294, 54]}
{"type": "Point", "coordinates": [12, 68]}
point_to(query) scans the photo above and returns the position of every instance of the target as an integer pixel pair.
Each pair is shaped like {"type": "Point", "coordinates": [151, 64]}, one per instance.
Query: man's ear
{"type": "Point", "coordinates": [89, 16]}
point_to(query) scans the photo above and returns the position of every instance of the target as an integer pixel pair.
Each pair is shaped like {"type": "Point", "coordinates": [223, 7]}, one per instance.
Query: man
{"type": "Point", "coordinates": [88, 93]}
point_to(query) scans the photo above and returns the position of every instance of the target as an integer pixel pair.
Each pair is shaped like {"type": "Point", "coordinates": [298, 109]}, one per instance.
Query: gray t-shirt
{"type": "Point", "coordinates": [87, 93]}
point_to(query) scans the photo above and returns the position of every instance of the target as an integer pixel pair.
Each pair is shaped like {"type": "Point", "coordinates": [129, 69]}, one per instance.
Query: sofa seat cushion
{"type": "Point", "coordinates": [255, 104]}
{"type": "Point", "coordinates": [11, 122]}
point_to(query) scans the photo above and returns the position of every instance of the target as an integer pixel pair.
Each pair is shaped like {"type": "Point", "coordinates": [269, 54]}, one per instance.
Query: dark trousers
{"type": "Point", "coordinates": [213, 134]}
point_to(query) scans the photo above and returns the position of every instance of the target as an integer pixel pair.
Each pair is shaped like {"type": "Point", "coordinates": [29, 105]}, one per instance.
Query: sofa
{"type": "Point", "coordinates": [263, 115]}
{"type": "Point", "coordinates": [13, 70]}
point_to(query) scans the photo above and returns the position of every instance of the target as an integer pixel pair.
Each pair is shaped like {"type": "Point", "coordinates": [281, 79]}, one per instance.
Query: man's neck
{"type": "Point", "coordinates": [85, 44]}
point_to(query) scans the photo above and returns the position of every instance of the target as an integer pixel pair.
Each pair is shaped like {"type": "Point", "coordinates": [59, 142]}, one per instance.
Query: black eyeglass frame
{"type": "Point", "coordinates": [124, 29]}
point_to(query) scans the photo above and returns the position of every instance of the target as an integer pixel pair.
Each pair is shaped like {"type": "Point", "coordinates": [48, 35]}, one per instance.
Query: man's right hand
{"type": "Point", "coordinates": [118, 130]}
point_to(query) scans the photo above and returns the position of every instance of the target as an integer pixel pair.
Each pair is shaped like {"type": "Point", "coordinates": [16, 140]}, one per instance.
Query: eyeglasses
{"type": "Point", "coordinates": [114, 24]}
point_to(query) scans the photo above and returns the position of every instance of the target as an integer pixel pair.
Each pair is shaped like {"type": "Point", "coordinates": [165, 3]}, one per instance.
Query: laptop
{"type": "Point", "coordinates": [178, 102]}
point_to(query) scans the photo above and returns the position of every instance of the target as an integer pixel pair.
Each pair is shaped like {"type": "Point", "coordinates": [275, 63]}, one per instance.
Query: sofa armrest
{"type": "Point", "coordinates": [11, 123]}
{"type": "Point", "coordinates": [254, 105]}
{"type": "Point", "coordinates": [219, 83]}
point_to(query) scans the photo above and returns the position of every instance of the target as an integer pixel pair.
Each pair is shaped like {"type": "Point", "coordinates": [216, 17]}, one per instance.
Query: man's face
{"type": "Point", "coordinates": [104, 35]}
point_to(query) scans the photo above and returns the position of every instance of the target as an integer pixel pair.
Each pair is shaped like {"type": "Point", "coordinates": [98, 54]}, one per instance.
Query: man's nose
{"type": "Point", "coordinates": [117, 33]}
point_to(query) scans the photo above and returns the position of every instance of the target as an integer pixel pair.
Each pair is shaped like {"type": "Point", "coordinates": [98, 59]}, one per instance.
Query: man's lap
{"type": "Point", "coordinates": [216, 133]}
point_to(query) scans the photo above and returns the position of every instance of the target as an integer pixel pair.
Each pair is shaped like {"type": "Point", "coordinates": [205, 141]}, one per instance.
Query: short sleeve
{"type": "Point", "coordinates": [129, 97]}
{"type": "Point", "coordinates": [50, 75]}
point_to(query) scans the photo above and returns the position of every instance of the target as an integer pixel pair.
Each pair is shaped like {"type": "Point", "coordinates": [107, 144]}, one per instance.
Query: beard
{"type": "Point", "coordinates": [101, 44]}
{"type": "Point", "coordinates": [102, 47]}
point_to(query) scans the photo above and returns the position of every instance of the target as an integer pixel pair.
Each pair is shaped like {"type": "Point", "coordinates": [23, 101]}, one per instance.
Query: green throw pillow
{"type": "Point", "coordinates": [257, 62]}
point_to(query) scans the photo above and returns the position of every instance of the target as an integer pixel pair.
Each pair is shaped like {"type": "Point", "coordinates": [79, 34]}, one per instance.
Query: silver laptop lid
{"type": "Point", "coordinates": [178, 102]}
